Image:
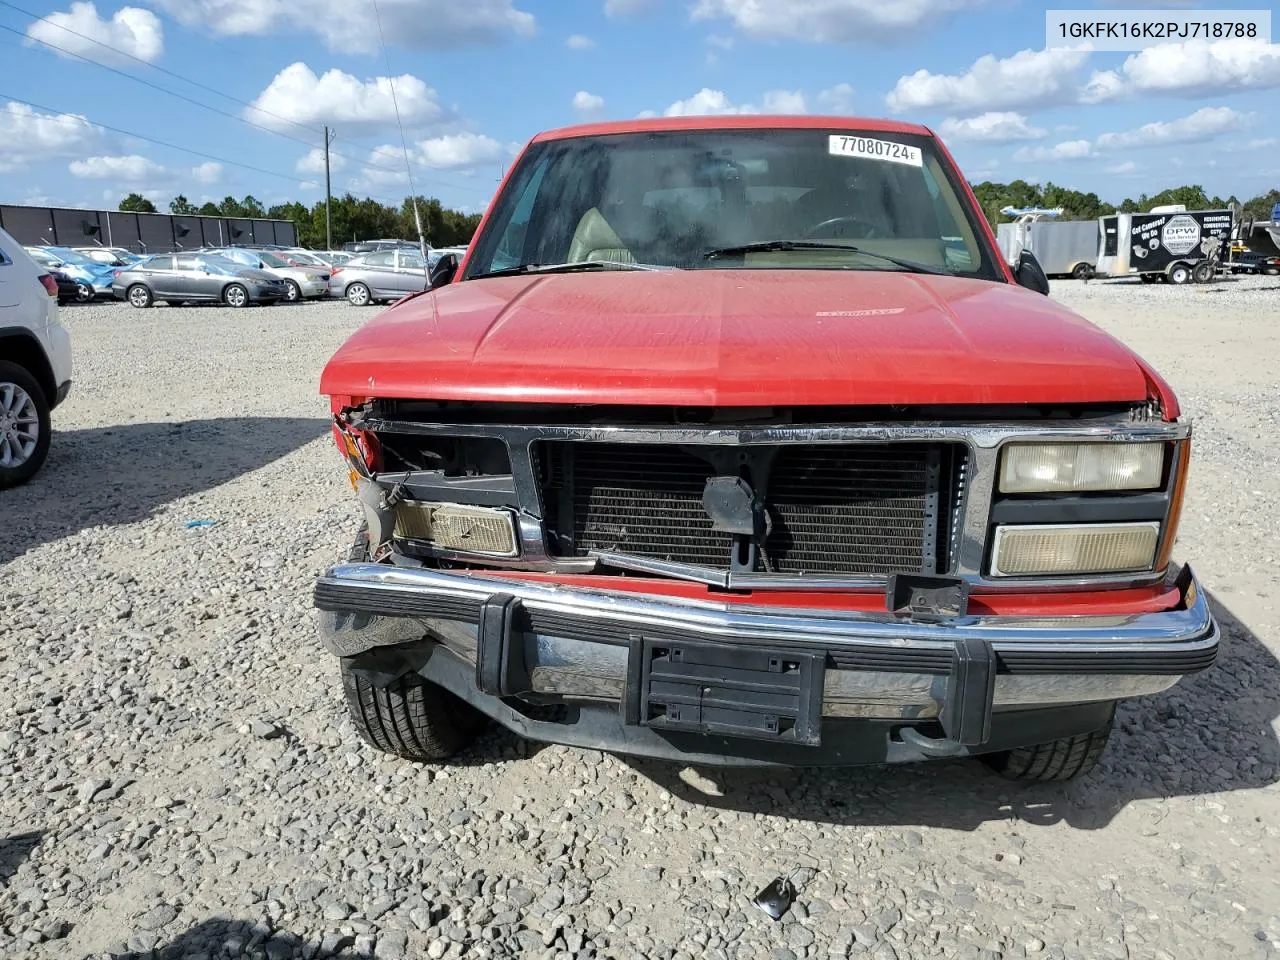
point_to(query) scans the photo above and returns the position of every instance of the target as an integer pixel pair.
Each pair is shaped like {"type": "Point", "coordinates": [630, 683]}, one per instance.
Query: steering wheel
{"type": "Point", "coordinates": [868, 230]}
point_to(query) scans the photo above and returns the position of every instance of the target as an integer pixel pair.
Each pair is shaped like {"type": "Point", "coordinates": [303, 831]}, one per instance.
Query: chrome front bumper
{"type": "Point", "coordinates": [577, 643]}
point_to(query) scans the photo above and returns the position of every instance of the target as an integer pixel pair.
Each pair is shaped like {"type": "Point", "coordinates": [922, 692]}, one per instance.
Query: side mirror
{"type": "Point", "coordinates": [1030, 274]}
{"type": "Point", "coordinates": [442, 273]}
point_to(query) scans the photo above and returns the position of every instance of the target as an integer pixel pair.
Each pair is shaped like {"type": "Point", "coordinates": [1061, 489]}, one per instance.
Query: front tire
{"type": "Point", "coordinates": [1179, 274]}
{"type": "Point", "coordinates": [84, 293]}
{"type": "Point", "coordinates": [236, 296]}
{"type": "Point", "coordinates": [24, 425]}
{"type": "Point", "coordinates": [411, 718]}
{"type": "Point", "coordinates": [1057, 760]}
{"type": "Point", "coordinates": [293, 292]}
{"type": "Point", "coordinates": [358, 295]}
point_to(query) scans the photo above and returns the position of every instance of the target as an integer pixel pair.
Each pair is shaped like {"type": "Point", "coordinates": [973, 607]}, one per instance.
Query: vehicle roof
{"type": "Point", "coordinates": [733, 122]}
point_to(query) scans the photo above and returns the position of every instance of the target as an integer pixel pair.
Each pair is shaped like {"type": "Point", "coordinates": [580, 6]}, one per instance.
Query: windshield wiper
{"type": "Point", "coordinates": [567, 268]}
{"type": "Point", "coordinates": [768, 246]}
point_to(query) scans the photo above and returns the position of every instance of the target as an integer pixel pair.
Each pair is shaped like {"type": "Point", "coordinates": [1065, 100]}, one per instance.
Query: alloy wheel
{"type": "Point", "coordinates": [19, 425]}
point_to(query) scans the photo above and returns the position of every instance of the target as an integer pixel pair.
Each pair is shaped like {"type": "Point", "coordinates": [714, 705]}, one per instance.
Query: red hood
{"type": "Point", "coordinates": [735, 338]}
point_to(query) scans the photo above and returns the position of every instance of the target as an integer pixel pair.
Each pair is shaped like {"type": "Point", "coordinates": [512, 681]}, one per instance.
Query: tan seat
{"type": "Point", "coordinates": [595, 240]}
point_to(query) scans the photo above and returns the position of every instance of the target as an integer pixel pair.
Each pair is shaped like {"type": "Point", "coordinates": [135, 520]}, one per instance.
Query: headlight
{"type": "Point", "coordinates": [457, 527]}
{"type": "Point", "coordinates": [1059, 549]}
{"type": "Point", "coordinates": [1076, 467]}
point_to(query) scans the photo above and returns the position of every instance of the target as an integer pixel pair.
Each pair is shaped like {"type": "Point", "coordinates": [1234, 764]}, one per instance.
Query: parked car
{"type": "Point", "coordinates": [111, 256]}
{"type": "Point", "coordinates": [1250, 262]}
{"type": "Point", "coordinates": [301, 283]}
{"type": "Point", "coordinates": [719, 450]}
{"type": "Point", "coordinates": [335, 258]}
{"type": "Point", "coordinates": [195, 278]}
{"type": "Point", "coordinates": [303, 258]}
{"type": "Point", "coordinates": [385, 275]}
{"type": "Point", "coordinates": [35, 362]}
{"type": "Point", "coordinates": [372, 246]}
{"type": "Point", "coordinates": [70, 289]}
{"type": "Point", "coordinates": [94, 277]}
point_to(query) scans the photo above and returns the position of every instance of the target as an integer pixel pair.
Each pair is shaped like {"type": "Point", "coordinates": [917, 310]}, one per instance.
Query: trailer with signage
{"type": "Point", "coordinates": [1179, 247]}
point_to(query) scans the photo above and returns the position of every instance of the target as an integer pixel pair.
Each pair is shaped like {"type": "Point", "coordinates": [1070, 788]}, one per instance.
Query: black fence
{"type": "Point", "coordinates": [139, 232]}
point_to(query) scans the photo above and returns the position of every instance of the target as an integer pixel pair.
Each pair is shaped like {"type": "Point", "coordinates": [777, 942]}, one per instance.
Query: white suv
{"type": "Point", "coordinates": [35, 362]}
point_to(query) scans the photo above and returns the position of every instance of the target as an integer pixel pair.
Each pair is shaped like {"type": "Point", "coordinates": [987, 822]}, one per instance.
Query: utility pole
{"type": "Point", "coordinates": [328, 191]}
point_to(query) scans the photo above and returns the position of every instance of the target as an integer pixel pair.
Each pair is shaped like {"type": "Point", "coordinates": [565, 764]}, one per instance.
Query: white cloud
{"type": "Point", "coordinates": [826, 21]}
{"type": "Point", "coordinates": [28, 136]}
{"type": "Point", "coordinates": [130, 168]}
{"type": "Point", "coordinates": [208, 172]}
{"type": "Point", "coordinates": [461, 152]}
{"type": "Point", "coordinates": [1261, 143]}
{"type": "Point", "coordinates": [1029, 77]}
{"type": "Point", "coordinates": [1205, 124]}
{"type": "Point", "coordinates": [1103, 85]}
{"type": "Point", "coordinates": [1120, 169]}
{"type": "Point", "coordinates": [708, 102]}
{"type": "Point", "coordinates": [992, 127]}
{"type": "Point", "coordinates": [458, 150]}
{"type": "Point", "coordinates": [349, 27]}
{"type": "Point", "coordinates": [297, 94]}
{"type": "Point", "coordinates": [627, 8]}
{"type": "Point", "coordinates": [578, 41]}
{"type": "Point", "coordinates": [784, 101]}
{"type": "Point", "coordinates": [131, 31]}
{"type": "Point", "coordinates": [585, 102]}
{"type": "Point", "coordinates": [1202, 67]}
{"type": "Point", "coordinates": [1067, 150]}
{"type": "Point", "coordinates": [837, 99]}
{"type": "Point", "coordinates": [313, 161]}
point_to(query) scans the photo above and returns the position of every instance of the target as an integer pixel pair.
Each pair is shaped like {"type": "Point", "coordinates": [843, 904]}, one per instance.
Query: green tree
{"type": "Point", "coordinates": [181, 206]}
{"type": "Point", "coordinates": [210, 210]}
{"type": "Point", "coordinates": [137, 203]}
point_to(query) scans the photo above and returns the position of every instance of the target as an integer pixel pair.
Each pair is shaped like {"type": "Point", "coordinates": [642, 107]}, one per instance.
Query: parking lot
{"type": "Point", "coordinates": [177, 772]}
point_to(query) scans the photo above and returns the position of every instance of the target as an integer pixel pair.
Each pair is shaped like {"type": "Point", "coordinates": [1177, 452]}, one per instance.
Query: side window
{"type": "Point", "coordinates": [410, 261]}
{"type": "Point", "coordinates": [380, 260]}
{"type": "Point", "coordinates": [160, 263]}
{"type": "Point", "coordinates": [510, 249]}
{"type": "Point", "coordinates": [187, 263]}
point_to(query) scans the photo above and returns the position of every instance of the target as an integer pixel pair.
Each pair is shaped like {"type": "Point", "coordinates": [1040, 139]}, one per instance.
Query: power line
{"type": "Point", "coordinates": [224, 113]}
{"type": "Point", "coordinates": [159, 143]}
{"type": "Point", "coordinates": [154, 66]}
{"type": "Point", "coordinates": [156, 86]}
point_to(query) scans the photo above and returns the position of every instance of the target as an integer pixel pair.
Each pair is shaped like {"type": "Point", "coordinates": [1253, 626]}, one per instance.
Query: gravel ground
{"type": "Point", "coordinates": [177, 773]}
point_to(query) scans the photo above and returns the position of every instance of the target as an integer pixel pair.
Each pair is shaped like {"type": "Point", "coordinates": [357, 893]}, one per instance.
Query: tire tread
{"type": "Point", "coordinates": [1057, 760]}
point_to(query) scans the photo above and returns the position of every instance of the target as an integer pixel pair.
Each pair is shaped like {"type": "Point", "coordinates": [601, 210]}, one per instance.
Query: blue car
{"type": "Point", "coordinates": [93, 279]}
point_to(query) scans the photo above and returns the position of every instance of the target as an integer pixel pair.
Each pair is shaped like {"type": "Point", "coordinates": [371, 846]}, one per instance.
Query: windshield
{"type": "Point", "coordinates": [669, 198]}
{"type": "Point", "coordinates": [270, 259]}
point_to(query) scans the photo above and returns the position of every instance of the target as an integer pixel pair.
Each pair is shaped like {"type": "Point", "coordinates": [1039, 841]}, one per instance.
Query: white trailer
{"type": "Point", "coordinates": [1064, 248]}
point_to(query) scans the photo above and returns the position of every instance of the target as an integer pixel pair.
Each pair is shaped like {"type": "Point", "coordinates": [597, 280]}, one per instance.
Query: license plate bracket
{"type": "Point", "coordinates": [756, 693]}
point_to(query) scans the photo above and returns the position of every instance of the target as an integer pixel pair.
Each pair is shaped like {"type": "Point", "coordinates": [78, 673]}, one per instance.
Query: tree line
{"type": "Point", "coordinates": [353, 218]}
{"type": "Point", "coordinates": [1089, 206]}
{"type": "Point", "coordinates": [367, 219]}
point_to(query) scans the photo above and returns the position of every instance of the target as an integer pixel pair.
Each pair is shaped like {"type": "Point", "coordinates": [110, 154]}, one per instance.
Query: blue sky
{"type": "Point", "coordinates": [475, 78]}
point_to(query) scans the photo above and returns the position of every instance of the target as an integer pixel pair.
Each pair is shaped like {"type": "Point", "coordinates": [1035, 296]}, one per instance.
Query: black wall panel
{"type": "Point", "coordinates": [139, 232]}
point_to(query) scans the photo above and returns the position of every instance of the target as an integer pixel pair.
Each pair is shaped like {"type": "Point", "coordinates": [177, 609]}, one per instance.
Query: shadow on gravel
{"type": "Point", "coordinates": [1211, 733]}
{"type": "Point", "coordinates": [14, 850]}
{"type": "Point", "coordinates": [236, 938]}
{"type": "Point", "coordinates": [122, 474]}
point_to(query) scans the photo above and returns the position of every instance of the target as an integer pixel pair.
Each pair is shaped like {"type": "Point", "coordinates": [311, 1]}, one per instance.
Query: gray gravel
{"type": "Point", "coordinates": [177, 774]}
